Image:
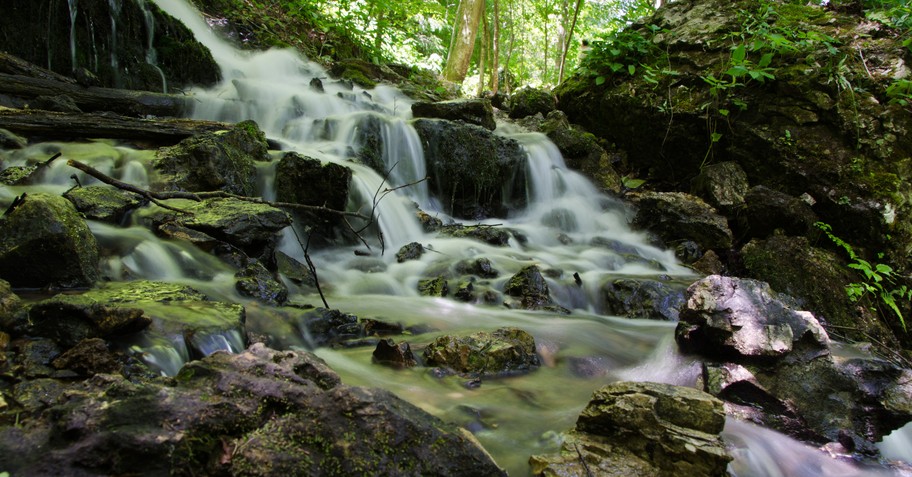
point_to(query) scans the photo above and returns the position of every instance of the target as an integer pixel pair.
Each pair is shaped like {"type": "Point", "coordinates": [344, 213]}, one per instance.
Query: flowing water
{"type": "Point", "coordinates": [566, 226]}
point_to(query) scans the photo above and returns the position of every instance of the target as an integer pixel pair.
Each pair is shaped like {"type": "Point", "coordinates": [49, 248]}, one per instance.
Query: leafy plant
{"type": "Point", "coordinates": [880, 280]}
{"type": "Point", "coordinates": [900, 92]}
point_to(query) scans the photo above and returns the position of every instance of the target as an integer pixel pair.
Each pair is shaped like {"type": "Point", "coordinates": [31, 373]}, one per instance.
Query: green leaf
{"type": "Point", "coordinates": [883, 269]}
{"type": "Point", "coordinates": [632, 183]}
{"type": "Point", "coordinates": [739, 54]}
{"type": "Point", "coordinates": [765, 60]}
{"type": "Point", "coordinates": [715, 137]}
{"type": "Point", "coordinates": [723, 112]}
{"type": "Point", "coordinates": [599, 80]}
{"type": "Point", "coordinates": [737, 71]}
{"type": "Point", "coordinates": [631, 69]}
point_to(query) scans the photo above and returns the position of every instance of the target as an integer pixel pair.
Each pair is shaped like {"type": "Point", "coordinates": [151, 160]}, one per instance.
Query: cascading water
{"type": "Point", "coordinates": [115, 13]}
{"type": "Point", "coordinates": [74, 9]}
{"type": "Point", "coordinates": [566, 225]}
{"type": "Point", "coordinates": [151, 53]}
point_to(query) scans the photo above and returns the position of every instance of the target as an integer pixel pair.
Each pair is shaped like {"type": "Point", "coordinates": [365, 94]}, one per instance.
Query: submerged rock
{"type": "Point", "coordinates": [107, 204]}
{"type": "Point", "coordinates": [489, 234]}
{"type": "Point", "coordinates": [504, 351]}
{"type": "Point", "coordinates": [650, 299]}
{"type": "Point", "coordinates": [45, 242]}
{"type": "Point", "coordinates": [276, 413]}
{"type": "Point", "coordinates": [222, 160]}
{"type": "Point", "coordinates": [481, 267]}
{"type": "Point", "coordinates": [530, 287]}
{"type": "Point", "coordinates": [470, 111]}
{"type": "Point", "coordinates": [643, 429]}
{"type": "Point", "coordinates": [396, 355]}
{"type": "Point", "coordinates": [411, 251]}
{"type": "Point", "coordinates": [433, 287]}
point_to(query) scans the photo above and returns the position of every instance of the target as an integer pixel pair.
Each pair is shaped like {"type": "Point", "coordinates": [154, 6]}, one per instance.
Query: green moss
{"type": "Point", "coordinates": [358, 78]}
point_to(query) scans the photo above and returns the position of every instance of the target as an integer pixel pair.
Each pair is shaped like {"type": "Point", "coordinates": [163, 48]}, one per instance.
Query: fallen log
{"type": "Point", "coordinates": [13, 65]}
{"type": "Point", "coordinates": [121, 101]}
{"type": "Point", "coordinates": [51, 125]}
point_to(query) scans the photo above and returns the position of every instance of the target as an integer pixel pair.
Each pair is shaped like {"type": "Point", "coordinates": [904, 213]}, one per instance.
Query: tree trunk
{"type": "Point", "coordinates": [563, 62]}
{"type": "Point", "coordinates": [46, 124]}
{"type": "Point", "coordinates": [495, 53]}
{"type": "Point", "coordinates": [484, 56]}
{"type": "Point", "coordinates": [465, 28]}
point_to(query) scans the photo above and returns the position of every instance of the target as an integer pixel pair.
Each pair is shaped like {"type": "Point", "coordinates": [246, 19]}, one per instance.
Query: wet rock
{"type": "Point", "coordinates": [10, 140]}
{"type": "Point", "coordinates": [481, 267]}
{"type": "Point", "coordinates": [278, 413]}
{"type": "Point", "coordinates": [676, 216]}
{"type": "Point", "coordinates": [46, 242]}
{"type": "Point", "coordinates": [412, 251]}
{"type": "Point", "coordinates": [768, 210]}
{"type": "Point", "coordinates": [788, 263]}
{"type": "Point", "coordinates": [107, 204]}
{"type": "Point", "coordinates": [327, 327]}
{"type": "Point", "coordinates": [722, 185]}
{"type": "Point", "coordinates": [465, 291]}
{"type": "Point", "coordinates": [69, 319]}
{"type": "Point", "coordinates": [389, 353]}
{"type": "Point", "coordinates": [481, 174]}
{"type": "Point", "coordinates": [433, 287]}
{"type": "Point", "coordinates": [17, 175]}
{"type": "Point", "coordinates": [582, 152]}
{"type": "Point", "coordinates": [649, 299]}
{"type": "Point", "coordinates": [688, 252]}
{"type": "Point", "coordinates": [530, 101]}
{"type": "Point", "coordinates": [305, 180]}
{"type": "Point", "coordinates": [294, 270]}
{"type": "Point", "coordinates": [32, 357]}
{"type": "Point", "coordinates": [88, 358]}
{"type": "Point", "coordinates": [485, 233]}
{"type": "Point", "coordinates": [642, 429]}
{"type": "Point", "coordinates": [9, 302]}
{"type": "Point", "coordinates": [258, 283]}
{"type": "Point", "coordinates": [709, 264]}
{"type": "Point", "coordinates": [530, 287]}
{"type": "Point", "coordinates": [250, 226]}
{"type": "Point", "coordinates": [222, 160]}
{"type": "Point", "coordinates": [428, 222]}
{"type": "Point", "coordinates": [471, 111]}
{"type": "Point", "coordinates": [745, 321]}
{"type": "Point", "coordinates": [503, 351]}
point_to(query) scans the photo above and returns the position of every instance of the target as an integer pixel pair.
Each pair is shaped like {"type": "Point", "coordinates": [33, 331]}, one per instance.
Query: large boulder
{"type": "Point", "coordinates": [470, 111]}
{"type": "Point", "coordinates": [722, 185]}
{"type": "Point", "coordinates": [259, 413]}
{"type": "Point", "coordinates": [530, 101]}
{"type": "Point", "coordinates": [481, 174]}
{"type": "Point", "coordinates": [307, 181]}
{"type": "Point", "coordinates": [642, 429]}
{"type": "Point", "coordinates": [767, 211]}
{"type": "Point", "coordinates": [745, 321]}
{"type": "Point", "coordinates": [676, 217]}
{"type": "Point", "coordinates": [222, 160]}
{"type": "Point", "coordinates": [103, 203]}
{"type": "Point", "coordinates": [44, 241]}
{"type": "Point", "coordinates": [501, 352]}
{"type": "Point", "coordinates": [582, 152]}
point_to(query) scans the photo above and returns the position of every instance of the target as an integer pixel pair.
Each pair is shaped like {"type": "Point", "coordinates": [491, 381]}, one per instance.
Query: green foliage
{"type": "Point", "coordinates": [880, 280]}
{"type": "Point", "coordinates": [900, 92]}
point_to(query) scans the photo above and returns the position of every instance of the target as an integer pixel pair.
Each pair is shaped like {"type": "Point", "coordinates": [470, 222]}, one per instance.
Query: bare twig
{"type": "Point", "coordinates": [582, 460]}
{"type": "Point", "coordinates": [310, 264]}
{"type": "Point", "coordinates": [865, 63]}
{"type": "Point", "coordinates": [154, 197]}
{"type": "Point", "coordinates": [16, 203]}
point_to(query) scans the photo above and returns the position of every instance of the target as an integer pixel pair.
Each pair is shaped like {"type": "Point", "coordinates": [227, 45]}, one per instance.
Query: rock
{"type": "Point", "coordinates": [307, 181]}
{"type": "Point", "coordinates": [480, 173]}
{"type": "Point", "coordinates": [10, 140]}
{"type": "Point", "coordinates": [582, 152]}
{"type": "Point", "coordinates": [107, 204]}
{"type": "Point", "coordinates": [650, 299]}
{"type": "Point", "coordinates": [788, 263]}
{"type": "Point", "coordinates": [294, 270]}
{"type": "Point", "coordinates": [46, 242]}
{"type": "Point", "coordinates": [412, 251]}
{"type": "Point", "coordinates": [768, 210]}
{"type": "Point", "coordinates": [465, 291]}
{"type": "Point", "coordinates": [433, 287]}
{"type": "Point", "coordinates": [250, 226]}
{"type": "Point", "coordinates": [470, 111]}
{"type": "Point", "coordinates": [643, 429]}
{"type": "Point", "coordinates": [276, 413]}
{"type": "Point", "coordinates": [481, 267]}
{"type": "Point", "coordinates": [389, 353]}
{"type": "Point", "coordinates": [9, 302]}
{"type": "Point", "coordinates": [676, 216]}
{"type": "Point", "coordinates": [530, 287]}
{"type": "Point", "coordinates": [258, 283]}
{"type": "Point", "coordinates": [489, 234]}
{"type": "Point", "coordinates": [329, 327]}
{"type": "Point", "coordinates": [529, 101]}
{"type": "Point", "coordinates": [17, 175]}
{"type": "Point", "coordinates": [722, 185]}
{"type": "Point", "coordinates": [69, 319]}
{"type": "Point", "coordinates": [88, 358]}
{"type": "Point", "coordinates": [745, 321]}
{"type": "Point", "coordinates": [504, 351]}
{"type": "Point", "coordinates": [428, 223]}
{"type": "Point", "coordinates": [709, 264]}
{"type": "Point", "coordinates": [222, 160]}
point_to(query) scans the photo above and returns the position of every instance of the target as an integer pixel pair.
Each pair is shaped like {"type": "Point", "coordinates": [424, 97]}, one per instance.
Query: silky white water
{"type": "Point", "coordinates": [569, 228]}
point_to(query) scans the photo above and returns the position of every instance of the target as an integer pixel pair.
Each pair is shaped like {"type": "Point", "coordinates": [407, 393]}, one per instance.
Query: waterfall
{"type": "Point", "coordinates": [115, 13]}
{"type": "Point", "coordinates": [73, 11]}
{"type": "Point", "coordinates": [151, 54]}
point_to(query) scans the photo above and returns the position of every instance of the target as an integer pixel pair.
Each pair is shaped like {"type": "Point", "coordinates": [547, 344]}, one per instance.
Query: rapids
{"type": "Point", "coordinates": [512, 417]}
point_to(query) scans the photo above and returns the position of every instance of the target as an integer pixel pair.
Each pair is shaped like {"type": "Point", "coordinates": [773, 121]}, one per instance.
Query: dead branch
{"type": "Point", "coordinates": [310, 264]}
{"type": "Point", "coordinates": [154, 197]}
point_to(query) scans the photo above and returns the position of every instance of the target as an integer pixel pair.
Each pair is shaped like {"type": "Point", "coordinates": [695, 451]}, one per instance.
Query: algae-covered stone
{"type": "Point", "coordinates": [221, 160]}
{"type": "Point", "coordinates": [107, 204]}
{"type": "Point", "coordinates": [489, 234]}
{"type": "Point", "coordinates": [17, 175]}
{"type": "Point", "coordinates": [643, 429]}
{"type": "Point", "coordinates": [504, 351]}
{"type": "Point", "coordinates": [482, 267]}
{"type": "Point", "coordinates": [257, 282]}
{"type": "Point", "coordinates": [44, 241]}
{"type": "Point", "coordinates": [530, 287]}
{"type": "Point", "coordinates": [582, 152]}
{"type": "Point", "coordinates": [471, 111]}
{"type": "Point", "coordinates": [9, 302]}
{"type": "Point", "coordinates": [411, 251]}
{"type": "Point", "coordinates": [529, 101]}
{"type": "Point", "coordinates": [433, 287]}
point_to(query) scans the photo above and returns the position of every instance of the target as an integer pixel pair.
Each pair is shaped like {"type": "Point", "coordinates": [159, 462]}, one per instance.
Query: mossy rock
{"type": "Point", "coordinates": [107, 204]}
{"type": "Point", "coordinates": [501, 352]}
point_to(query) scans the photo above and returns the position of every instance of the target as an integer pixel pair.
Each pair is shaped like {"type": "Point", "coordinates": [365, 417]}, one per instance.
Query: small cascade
{"type": "Point", "coordinates": [116, 6]}
{"type": "Point", "coordinates": [73, 11]}
{"type": "Point", "coordinates": [151, 54]}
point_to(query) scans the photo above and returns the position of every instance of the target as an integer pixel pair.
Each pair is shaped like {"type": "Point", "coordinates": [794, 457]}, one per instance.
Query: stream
{"type": "Point", "coordinates": [566, 223]}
